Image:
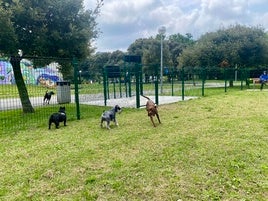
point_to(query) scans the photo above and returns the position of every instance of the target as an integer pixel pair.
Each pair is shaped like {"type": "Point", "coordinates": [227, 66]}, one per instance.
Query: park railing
{"type": "Point", "coordinates": [60, 78]}
{"type": "Point", "coordinates": [74, 89]}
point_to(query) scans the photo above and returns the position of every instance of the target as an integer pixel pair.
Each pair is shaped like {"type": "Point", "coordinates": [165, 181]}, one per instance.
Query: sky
{"type": "Point", "coordinates": [121, 22]}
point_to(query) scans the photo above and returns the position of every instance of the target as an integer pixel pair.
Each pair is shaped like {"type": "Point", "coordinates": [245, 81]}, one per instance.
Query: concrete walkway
{"type": "Point", "coordinates": [15, 103]}
{"type": "Point", "coordinates": [131, 101]}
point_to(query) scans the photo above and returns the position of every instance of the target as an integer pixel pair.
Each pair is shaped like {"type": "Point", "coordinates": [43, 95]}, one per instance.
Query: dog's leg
{"type": "Point", "coordinates": [57, 124]}
{"type": "Point", "coordinates": [101, 123]}
{"type": "Point", "coordinates": [158, 118]}
{"type": "Point", "coordinates": [108, 124]}
{"type": "Point", "coordinates": [50, 122]}
{"type": "Point", "coordinates": [152, 120]}
{"type": "Point", "coordinates": [116, 123]}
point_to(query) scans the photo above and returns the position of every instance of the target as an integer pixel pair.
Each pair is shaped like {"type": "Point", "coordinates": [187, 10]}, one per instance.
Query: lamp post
{"type": "Point", "coordinates": [80, 76]}
{"type": "Point", "coordinates": [161, 31]}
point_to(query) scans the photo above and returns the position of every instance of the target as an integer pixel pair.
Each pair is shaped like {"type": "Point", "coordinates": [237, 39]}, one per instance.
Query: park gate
{"type": "Point", "coordinates": [113, 74]}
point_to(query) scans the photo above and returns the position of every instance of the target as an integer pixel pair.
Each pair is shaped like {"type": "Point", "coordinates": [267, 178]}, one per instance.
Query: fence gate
{"type": "Point", "coordinates": [133, 67]}
{"type": "Point", "coordinates": [114, 74]}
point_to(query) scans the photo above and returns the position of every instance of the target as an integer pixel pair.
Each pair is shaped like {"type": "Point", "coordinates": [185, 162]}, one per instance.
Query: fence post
{"type": "Point", "coordinates": [105, 86]}
{"type": "Point", "coordinates": [182, 83]}
{"type": "Point", "coordinates": [156, 86]}
{"type": "Point", "coordinates": [203, 81]}
{"type": "Point", "coordinates": [172, 81]}
{"type": "Point", "coordinates": [137, 75]}
{"type": "Point", "coordinates": [141, 80]}
{"type": "Point", "coordinates": [225, 80]}
{"type": "Point", "coordinates": [120, 86]}
{"type": "Point", "coordinates": [129, 84]}
{"type": "Point", "coordinates": [76, 89]}
{"type": "Point", "coordinates": [114, 80]}
{"type": "Point", "coordinates": [244, 76]}
{"type": "Point", "coordinates": [126, 79]}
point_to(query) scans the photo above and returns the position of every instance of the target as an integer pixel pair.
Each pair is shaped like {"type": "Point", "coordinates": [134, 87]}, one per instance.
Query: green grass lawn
{"type": "Point", "coordinates": [211, 148]}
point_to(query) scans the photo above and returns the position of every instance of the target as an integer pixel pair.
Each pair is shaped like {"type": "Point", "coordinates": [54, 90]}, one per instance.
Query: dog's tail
{"type": "Point", "coordinates": [145, 97]}
{"type": "Point", "coordinates": [149, 99]}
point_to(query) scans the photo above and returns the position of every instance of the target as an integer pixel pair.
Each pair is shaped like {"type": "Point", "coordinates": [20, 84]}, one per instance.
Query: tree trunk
{"type": "Point", "coordinates": [23, 93]}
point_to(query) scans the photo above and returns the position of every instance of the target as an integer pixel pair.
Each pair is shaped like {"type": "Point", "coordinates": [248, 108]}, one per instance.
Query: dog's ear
{"type": "Point", "coordinates": [62, 107]}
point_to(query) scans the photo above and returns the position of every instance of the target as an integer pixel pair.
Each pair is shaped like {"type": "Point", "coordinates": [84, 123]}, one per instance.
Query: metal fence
{"type": "Point", "coordinates": [43, 76]}
{"type": "Point", "coordinates": [80, 95]}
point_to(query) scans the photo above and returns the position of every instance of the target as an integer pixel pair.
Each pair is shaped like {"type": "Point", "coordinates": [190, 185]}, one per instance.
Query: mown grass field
{"type": "Point", "coordinates": [211, 148]}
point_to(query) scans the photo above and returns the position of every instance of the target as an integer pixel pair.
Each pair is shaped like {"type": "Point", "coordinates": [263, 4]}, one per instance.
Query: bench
{"type": "Point", "coordinates": [255, 81]}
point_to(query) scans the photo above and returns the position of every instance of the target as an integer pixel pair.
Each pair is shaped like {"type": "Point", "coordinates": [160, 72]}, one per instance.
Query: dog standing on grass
{"type": "Point", "coordinates": [151, 108]}
{"type": "Point", "coordinates": [110, 115]}
{"type": "Point", "coordinates": [58, 117]}
{"type": "Point", "coordinates": [47, 97]}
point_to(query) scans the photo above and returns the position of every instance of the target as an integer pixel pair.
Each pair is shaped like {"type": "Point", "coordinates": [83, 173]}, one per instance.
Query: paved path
{"type": "Point", "coordinates": [131, 101]}
{"type": "Point", "coordinates": [15, 103]}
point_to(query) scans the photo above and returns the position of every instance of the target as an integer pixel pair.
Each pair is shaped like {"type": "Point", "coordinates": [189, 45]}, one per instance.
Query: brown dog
{"type": "Point", "coordinates": [151, 109]}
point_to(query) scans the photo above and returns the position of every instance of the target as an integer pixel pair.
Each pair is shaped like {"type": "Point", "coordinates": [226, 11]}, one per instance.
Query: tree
{"type": "Point", "coordinates": [177, 43]}
{"type": "Point", "coordinates": [46, 28]}
{"type": "Point", "coordinates": [7, 33]}
{"type": "Point", "coordinates": [117, 58]}
{"type": "Point", "coordinates": [93, 66]}
{"type": "Point", "coordinates": [149, 50]}
{"type": "Point", "coordinates": [240, 45]}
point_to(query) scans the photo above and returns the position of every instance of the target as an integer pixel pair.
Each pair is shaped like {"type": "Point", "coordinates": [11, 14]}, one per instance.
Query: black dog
{"type": "Point", "coordinates": [110, 115]}
{"type": "Point", "coordinates": [56, 118]}
{"type": "Point", "coordinates": [47, 97]}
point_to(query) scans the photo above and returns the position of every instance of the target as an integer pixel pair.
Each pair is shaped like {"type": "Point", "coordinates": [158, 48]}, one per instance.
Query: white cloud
{"type": "Point", "coordinates": [222, 10]}
{"type": "Point", "coordinates": [122, 22]}
{"type": "Point", "coordinates": [127, 11]}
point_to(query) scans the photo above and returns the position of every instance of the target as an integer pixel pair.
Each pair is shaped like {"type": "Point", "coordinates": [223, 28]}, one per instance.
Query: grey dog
{"type": "Point", "coordinates": [110, 115]}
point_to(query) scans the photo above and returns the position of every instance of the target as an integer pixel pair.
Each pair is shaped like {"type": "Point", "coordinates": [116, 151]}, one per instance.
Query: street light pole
{"type": "Point", "coordinates": [161, 31]}
{"type": "Point", "coordinates": [80, 76]}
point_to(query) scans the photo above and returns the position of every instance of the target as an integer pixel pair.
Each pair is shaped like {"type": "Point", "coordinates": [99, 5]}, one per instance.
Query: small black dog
{"type": "Point", "coordinates": [47, 97]}
{"type": "Point", "coordinates": [110, 115]}
{"type": "Point", "coordinates": [56, 118]}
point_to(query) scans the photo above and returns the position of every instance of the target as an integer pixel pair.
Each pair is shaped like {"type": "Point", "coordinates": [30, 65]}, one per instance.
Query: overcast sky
{"type": "Point", "coordinates": [123, 21]}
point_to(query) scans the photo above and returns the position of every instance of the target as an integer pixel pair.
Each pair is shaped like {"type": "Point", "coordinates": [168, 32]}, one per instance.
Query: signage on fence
{"type": "Point", "coordinates": [113, 71]}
